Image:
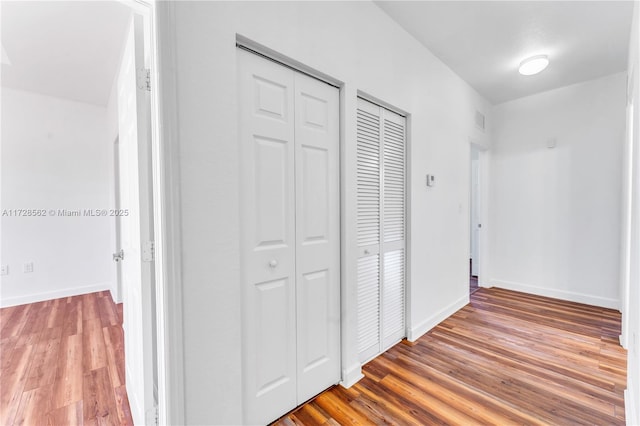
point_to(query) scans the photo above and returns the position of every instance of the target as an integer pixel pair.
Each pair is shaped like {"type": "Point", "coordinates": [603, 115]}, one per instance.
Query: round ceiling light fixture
{"type": "Point", "coordinates": [533, 65]}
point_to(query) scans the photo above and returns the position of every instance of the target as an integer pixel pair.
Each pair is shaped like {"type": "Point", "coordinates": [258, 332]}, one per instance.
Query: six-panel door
{"type": "Point", "coordinates": [317, 236]}
{"type": "Point", "coordinates": [290, 236]}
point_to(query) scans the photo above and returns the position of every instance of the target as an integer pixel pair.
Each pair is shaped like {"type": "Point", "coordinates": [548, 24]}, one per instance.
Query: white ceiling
{"type": "Point", "coordinates": [71, 49]}
{"type": "Point", "coordinates": [67, 49]}
{"type": "Point", "coordinates": [485, 41]}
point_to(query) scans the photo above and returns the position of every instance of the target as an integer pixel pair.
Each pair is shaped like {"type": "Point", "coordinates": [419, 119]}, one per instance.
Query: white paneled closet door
{"type": "Point", "coordinates": [381, 228]}
{"type": "Point", "coordinates": [268, 237]}
{"type": "Point", "coordinates": [289, 144]}
{"type": "Point", "coordinates": [317, 236]}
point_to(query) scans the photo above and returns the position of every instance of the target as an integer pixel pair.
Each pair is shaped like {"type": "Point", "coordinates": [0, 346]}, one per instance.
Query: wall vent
{"type": "Point", "coordinates": [479, 120]}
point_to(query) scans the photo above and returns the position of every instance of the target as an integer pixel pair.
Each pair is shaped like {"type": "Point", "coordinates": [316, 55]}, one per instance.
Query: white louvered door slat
{"type": "Point", "coordinates": [368, 306]}
{"type": "Point", "coordinates": [368, 146]}
{"type": "Point", "coordinates": [393, 329]}
{"type": "Point", "coordinates": [381, 228]}
{"type": "Point", "coordinates": [393, 153]}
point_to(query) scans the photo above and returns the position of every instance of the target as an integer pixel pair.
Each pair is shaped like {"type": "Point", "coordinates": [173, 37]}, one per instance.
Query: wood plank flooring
{"type": "Point", "coordinates": [62, 363]}
{"type": "Point", "coordinates": [506, 358]}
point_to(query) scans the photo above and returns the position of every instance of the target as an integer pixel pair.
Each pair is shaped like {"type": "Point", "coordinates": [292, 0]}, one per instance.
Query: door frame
{"type": "Point", "coordinates": [166, 215]}
{"type": "Point", "coordinates": [474, 206]}
{"type": "Point", "coordinates": [627, 214]}
{"type": "Point", "coordinates": [483, 199]}
{"type": "Point", "coordinates": [117, 294]}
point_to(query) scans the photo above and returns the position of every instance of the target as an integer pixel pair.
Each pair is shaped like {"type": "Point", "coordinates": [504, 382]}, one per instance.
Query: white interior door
{"type": "Point", "coordinates": [117, 226]}
{"type": "Point", "coordinates": [393, 228]}
{"type": "Point", "coordinates": [290, 237]}
{"type": "Point", "coordinates": [268, 237]}
{"type": "Point", "coordinates": [317, 236]}
{"type": "Point", "coordinates": [136, 227]}
{"type": "Point", "coordinates": [475, 210]}
{"type": "Point", "coordinates": [368, 222]}
{"type": "Point", "coordinates": [381, 228]}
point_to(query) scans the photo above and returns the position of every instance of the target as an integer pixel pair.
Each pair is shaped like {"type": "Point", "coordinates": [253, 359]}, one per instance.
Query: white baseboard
{"type": "Point", "coordinates": [623, 341]}
{"type": "Point", "coordinates": [114, 292]}
{"type": "Point", "coordinates": [41, 297]}
{"type": "Point", "coordinates": [416, 332]}
{"type": "Point", "coordinates": [114, 297]}
{"type": "Point", "coordinates": [630, 406]}
{"type": "Point", "coordinates": [351, 375]}
{"type": "Point", "coordinates": [557, 294]}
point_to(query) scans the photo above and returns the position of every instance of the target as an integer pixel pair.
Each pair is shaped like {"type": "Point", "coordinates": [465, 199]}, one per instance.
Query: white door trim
{"type": "Point", "coordinates": [166, 209]}
{"type": "Point", "coordinates": [245, 43]}
{"type": "Point", "coordinates": [166, 176]}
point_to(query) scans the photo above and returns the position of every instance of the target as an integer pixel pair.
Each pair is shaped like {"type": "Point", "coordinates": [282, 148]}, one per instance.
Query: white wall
{"type": "Point", "coordinates": [54, 156]}
{"type": "Point", "coordinates": [357, 44]}
{"type": "Point", "coordinates": [555, 213]}
{"type": "Point", "coordinates": [631, 205]}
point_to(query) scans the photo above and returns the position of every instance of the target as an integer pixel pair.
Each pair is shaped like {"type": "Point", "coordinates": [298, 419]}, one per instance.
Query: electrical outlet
{"type": "Point", "coordinates": [28, 267]}
{"type": "Point", "coordinates": [4, 269]}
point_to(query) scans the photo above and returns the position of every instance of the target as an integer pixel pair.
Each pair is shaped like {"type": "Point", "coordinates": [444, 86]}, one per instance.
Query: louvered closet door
{"type": "Point", "coordinates": [368, 190]}
{"type": "Point", "coordinates": [393, 228]}
{"type": "Point", "coordinates": [381, 228]}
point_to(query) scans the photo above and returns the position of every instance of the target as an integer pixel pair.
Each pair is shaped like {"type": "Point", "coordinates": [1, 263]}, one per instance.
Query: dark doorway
{"type": "Point", "coordinates": [473, 279]}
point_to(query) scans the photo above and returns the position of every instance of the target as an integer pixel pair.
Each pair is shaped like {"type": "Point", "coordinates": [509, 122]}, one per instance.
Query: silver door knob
{"type": "Point", "coordinates": [366, 251]}
{"type": "Point", "coordinates": [273, 263]}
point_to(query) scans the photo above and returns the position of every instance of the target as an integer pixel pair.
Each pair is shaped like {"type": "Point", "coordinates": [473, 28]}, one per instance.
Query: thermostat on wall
{"type": "Point", "coordinates": [431, 180]}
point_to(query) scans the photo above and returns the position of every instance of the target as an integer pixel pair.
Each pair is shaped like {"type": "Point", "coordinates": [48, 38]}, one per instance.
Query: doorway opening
{"type": "Point", "coordinates": [475, 224]}
{"type": "Point", "coordinates": [100, 200]}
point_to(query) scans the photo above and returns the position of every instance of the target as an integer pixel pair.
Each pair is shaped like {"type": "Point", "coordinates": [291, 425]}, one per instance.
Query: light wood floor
{"type": "Point", "coordinates": [62, 363]}
{"type": "Point", "coordinates": [507, 358]}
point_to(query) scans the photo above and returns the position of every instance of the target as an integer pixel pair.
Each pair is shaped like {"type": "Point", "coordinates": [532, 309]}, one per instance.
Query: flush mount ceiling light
{"type": "Point", "coordinates": [533, 65]}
